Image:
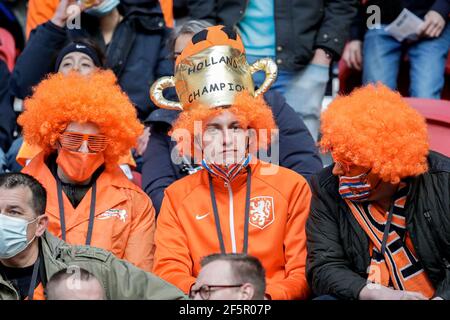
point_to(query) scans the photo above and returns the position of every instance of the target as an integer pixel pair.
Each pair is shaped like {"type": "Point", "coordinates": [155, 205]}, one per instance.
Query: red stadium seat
{"type": "Point", "coordinates": [137, 178]}
{"type": "Point", "coordinates": [437, 114]}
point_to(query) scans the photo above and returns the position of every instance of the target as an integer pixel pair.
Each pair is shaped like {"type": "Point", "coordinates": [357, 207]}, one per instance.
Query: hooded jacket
{"type": "Point", "coordinates": [279, 206]}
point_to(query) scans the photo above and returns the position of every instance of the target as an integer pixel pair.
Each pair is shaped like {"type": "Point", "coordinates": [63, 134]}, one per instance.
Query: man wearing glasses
{"type": "Point", "coordinates": [379, 227]}
{"type": "Point", "coordinates": [229, 277]}
{"type": "Point", "coordinates": [83, 125]}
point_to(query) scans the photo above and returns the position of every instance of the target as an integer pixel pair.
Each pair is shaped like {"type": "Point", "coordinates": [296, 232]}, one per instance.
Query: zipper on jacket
{"type": "Point", "coordinates": [430, 225]}
{"type": "Point", "coordinates": [231, 217]}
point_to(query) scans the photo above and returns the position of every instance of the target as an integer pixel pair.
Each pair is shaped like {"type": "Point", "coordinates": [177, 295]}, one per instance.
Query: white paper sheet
{"type": "Point", "coordinates": [406, 26]}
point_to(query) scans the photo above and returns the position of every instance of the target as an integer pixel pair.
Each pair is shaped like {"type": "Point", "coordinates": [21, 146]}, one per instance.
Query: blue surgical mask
{"type": "Point", "coordinates": [103, 9]}
{"type": "Point", "coordinates": [13, 236]}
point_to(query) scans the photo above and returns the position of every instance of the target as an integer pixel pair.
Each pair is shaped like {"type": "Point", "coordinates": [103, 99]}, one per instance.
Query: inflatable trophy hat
{"type": "Point", "coordinates": [211, 71]}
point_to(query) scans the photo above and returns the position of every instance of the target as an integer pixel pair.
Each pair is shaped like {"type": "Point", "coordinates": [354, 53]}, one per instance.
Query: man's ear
{"type": "Point", "coordinates": [247, 291]}
{"type": "Point", "coordinates": [41, 225]}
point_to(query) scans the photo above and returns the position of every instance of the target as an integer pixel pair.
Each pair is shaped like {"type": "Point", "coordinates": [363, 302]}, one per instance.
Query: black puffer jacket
{"type": "Point", "coordinates": [338, 248]}
{"type": "Point", "coordinates": [301, 26]}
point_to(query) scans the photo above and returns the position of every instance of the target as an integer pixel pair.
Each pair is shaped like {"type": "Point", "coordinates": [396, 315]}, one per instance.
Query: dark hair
{"type": "Point", "coordinates": [189, 27]}
{"type": "Point", "coordinates": [65, 274]}
{"type": "Point", "coordinates": [18, 179]}
{"type": "Point", "coordinates": [245, 269]}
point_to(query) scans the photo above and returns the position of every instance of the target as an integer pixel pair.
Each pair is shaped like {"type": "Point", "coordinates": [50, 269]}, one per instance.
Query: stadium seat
{"type": "Point", "coordinates": [437, 114]}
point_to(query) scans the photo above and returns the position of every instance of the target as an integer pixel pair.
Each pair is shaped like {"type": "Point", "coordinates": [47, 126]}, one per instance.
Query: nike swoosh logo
{"type": "Point", "coordinates": [201, 217]}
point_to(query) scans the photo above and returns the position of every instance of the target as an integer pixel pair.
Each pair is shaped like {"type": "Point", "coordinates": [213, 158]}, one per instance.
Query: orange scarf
{"type": "Point", "coordinates": [398, 266]}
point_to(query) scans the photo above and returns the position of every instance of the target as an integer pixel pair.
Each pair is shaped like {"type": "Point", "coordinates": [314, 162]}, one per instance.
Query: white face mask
{"type": "Point", "coordinates": [13, 236]}
{"type": "Point", "coordinates": [104, 8]}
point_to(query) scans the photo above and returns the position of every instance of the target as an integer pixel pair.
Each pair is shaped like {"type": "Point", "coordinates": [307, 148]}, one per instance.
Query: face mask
{"type": "Point", "coordinates": [226, 172]}
{"type": "Point", "coordinates": [13, 236]}
{"type": "Point", "coordinates": [103, 9]}
{"type": "Point", "coordinates": [357, 188]}
{"type": "Point", "coordinates": [79, 166]}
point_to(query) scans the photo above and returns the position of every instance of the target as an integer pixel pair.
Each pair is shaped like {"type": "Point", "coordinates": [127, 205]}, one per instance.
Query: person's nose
{"type": "Point", "coordinates": [338, 170]}
{"type": "Point", "coordinates": [228, 137]}
{"type": "Point", "coordinates": [76, 67]}
{"type": "Point", "coordinates": [84, 147]}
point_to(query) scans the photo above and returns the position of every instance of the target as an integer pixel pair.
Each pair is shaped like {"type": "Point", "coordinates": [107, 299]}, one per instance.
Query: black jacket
{"type": "Point", "coordinates": [137, 55]}
{"type": "Point", "coordinates": [301, 26]}
{"type": "Point", "coordinates": [338, 248]}
{"type": "Point", "coordinates": [390, 9]}
{"type": "Point", "coordinates": [7, 114]}
{"type": "Point", "coordinates": [297, 150]}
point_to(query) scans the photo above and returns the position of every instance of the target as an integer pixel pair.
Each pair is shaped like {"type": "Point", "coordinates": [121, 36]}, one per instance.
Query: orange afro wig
{"type": "Point", "coordinates": [375, 128]}
{"type": "Point", "coordinates": [61, 99]}
{"type": "Point", "coordinates": [251, 112]}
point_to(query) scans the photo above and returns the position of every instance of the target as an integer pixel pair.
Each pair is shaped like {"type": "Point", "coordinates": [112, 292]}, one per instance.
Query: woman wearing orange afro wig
{"type": "Point", "coordinates": [236, 203]}
{"type": "Point", "coordinates": [379, 227]}
{"type": "Point", "coordinates": [84, 123]}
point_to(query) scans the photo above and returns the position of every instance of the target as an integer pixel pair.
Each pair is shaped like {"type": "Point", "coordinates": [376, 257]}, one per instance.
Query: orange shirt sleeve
{"type": "Point", "coordinates": [173, 261]}
{"type": "Point", "coordinates": [140, 246]}
{"type": "Point", "coordinates": [39, 11]}
{"type": "Point", "coordinates": [167, 10]}
{"type": "Point", "coordinates": [295, 285]}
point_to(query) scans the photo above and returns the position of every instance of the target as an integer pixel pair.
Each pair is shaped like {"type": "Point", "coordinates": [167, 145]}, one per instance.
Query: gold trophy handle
{"type": "Point", "coordinates": [270, 68]}
{"type": "Point", "coordinates": [156, 94]}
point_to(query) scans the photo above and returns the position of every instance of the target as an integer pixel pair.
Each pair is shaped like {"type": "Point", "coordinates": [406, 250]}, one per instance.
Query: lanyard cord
{"type": "Point", "coordinates": [91, 212]}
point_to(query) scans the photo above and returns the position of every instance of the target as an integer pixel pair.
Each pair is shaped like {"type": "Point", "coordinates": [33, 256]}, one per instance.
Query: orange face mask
{"type": "Point", "coordinates": [79, 166]}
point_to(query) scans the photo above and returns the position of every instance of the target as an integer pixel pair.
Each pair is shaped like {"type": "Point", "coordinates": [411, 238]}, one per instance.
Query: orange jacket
{"type": "Point", "coordinates": [40, 11]}
{"type": "Point", "coordinates": [124, 215]}
{"type": "Point", "coordinates": [279, 207]}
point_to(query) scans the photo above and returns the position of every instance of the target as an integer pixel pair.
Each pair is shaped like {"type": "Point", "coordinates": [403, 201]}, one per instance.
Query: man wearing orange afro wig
{"type": "Point", "coordinates": [379, 227]}
{"type": "Point", "coordinates": [84, 123]}
{"type": "Point", "coordinates": [236, 203]}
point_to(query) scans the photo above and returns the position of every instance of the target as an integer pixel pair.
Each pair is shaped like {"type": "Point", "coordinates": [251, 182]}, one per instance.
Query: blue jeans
{"type": "Point", "coordinates": [304, 91]}
{"type": "Point", "coordinates": [383, 55]}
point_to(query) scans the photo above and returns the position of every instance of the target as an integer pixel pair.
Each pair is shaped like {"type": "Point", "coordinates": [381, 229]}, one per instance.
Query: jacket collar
{"type": "Point", "coordinates": [237, 184]}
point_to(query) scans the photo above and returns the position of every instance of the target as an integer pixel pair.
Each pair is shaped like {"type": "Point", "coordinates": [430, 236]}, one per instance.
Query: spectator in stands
{"type": "Point", "coordinates": [134, 42]}
{"type": "Point", "coordinates": [379, 54]}
{"type": "Point", "coordinates": [29, 254]}
{"type": "Point", "coordinates": [296, 146]}
{"type": "Point", "coordinates": [81, 56]}
{"type": "Point", "coordinates": [84, 57]}
{"type": "Point", "coordinates": [78, 121]}
{"type": "Point", "coordinates": [379, 226]}
{"type": "Point", "coordinates": [303, 37]}
{"type": "Point", "coordinates": [74, 283]}
{"type": "Point", "coordinates": [230, 277]}
{"type": "Point", "coordinates": [244, 196]}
